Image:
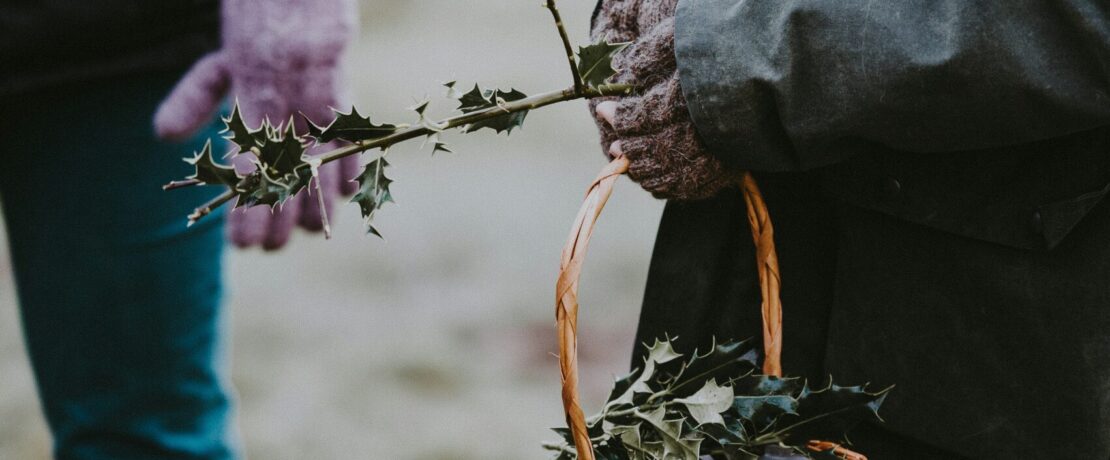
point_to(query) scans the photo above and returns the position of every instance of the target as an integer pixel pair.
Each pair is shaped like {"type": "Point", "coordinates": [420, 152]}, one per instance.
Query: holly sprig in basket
{"type": "Point", "coordinates": [717, 403]}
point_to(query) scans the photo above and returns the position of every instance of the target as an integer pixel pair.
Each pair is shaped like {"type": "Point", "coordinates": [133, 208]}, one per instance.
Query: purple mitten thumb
{"type": "Point", "coordinates": [194, 100]}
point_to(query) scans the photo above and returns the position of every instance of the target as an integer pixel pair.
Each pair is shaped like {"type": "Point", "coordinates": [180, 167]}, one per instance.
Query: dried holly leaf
{"type": "Point", "coordinates": [209, 172]}
{"type": "Point", "coordinates": [595, 62]}
{"type": "Point", "coordinates": [373, 192]}
{"type": "Point", "coordinates": [351, 127]}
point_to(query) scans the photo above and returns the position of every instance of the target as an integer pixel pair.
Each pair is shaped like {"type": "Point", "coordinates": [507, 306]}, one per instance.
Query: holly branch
{"type": "Point", "coordinates": [283, 169]}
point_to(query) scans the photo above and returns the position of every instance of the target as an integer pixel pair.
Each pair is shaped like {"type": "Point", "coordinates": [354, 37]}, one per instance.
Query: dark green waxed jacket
{"type": "Point", "coordinates": [936, 172]}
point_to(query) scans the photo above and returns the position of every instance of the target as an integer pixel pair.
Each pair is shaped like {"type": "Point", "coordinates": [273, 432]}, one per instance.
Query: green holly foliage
{"type": "Point", "coordinates": [373, 192]}
{"type": "Point", "coordinates": [595, 62]}
{"type": "Point", "coordinates": [236, 131]}
{"type": "Point", "coordinates": [283, 169]}
{"type": "Point", "coordinates": [279, 156]}
{"type": "Point", "coordinates": [282, 152]}
{"type": "Point", "coordinates": [350, 127]}
{"type": "Point", "coordinates": [263, 189]}
{"type": "Point", "coordinates": [717, 403]}
{"type": "Point", "coordinates": [479, 99]}
{"type": "Point", "coordinates": [209, 172]}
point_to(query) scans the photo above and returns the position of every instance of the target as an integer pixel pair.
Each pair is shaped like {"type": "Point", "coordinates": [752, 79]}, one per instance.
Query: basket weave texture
{"type": "Point", "coordinates": [566, 297]}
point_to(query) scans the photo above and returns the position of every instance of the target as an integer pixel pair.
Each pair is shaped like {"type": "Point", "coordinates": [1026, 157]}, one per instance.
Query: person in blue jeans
{"type": "Point", "coordinates": [120, 301]}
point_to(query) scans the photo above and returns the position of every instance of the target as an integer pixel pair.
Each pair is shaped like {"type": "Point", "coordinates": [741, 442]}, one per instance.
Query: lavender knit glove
{"type": "Point", "coordinates": [279, 57]}
{"type": "Point", "coordinates": [653, 128]}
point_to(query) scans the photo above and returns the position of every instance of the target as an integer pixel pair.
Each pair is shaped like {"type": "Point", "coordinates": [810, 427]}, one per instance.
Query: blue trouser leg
{"type": "Point", "coordinates": [120, 302]}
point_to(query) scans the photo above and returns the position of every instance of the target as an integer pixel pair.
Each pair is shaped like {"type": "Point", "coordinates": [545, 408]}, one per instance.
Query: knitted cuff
{"type": "Point", "coordinates": [655, 130]}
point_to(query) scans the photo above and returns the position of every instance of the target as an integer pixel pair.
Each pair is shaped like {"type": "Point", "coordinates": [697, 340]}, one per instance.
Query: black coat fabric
{"type": "Point", "coordinates": [44, 43]}
{"type": "Point", "coordinates": [797, 84]}
{"type": "Point", "coordinates": [998, 344]}
{"type": "Point", "coordinates": [939, 208]}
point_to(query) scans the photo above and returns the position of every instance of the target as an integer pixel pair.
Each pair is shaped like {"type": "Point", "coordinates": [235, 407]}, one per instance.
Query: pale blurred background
{"type": "Point", "coordinates": [437, 343]}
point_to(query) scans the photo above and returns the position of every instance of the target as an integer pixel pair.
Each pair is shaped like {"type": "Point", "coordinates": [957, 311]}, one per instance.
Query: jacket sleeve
{"type": "Point", "coordinates": [796, 84]}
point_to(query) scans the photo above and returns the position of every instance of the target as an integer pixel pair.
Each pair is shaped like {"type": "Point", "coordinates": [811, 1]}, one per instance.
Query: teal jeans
{"type": "Point", "coordinates": [120, 302]}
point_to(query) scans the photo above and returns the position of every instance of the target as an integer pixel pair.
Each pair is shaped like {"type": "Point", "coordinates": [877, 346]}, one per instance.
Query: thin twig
{"type": "Point", "coordinates": [207, 208]}
{"type": "Point", "coordinates": [578, 86]}
{"type": "Point", "coordinates": [181, 184]}
{"type": "Point", "coordinates": [529, 103]}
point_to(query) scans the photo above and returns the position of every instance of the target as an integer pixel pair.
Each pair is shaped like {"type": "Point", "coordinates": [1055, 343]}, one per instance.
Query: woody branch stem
{"type": "Point", "coordinates": [578, 85]}
{"type": "Point", "coordinates": [529, 103]}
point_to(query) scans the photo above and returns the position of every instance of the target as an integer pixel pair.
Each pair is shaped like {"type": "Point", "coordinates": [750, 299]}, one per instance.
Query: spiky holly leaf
{"type": "Point", "coordinates": [351, 127]}
{"type": "Point", "coordinates": [654, 416]}
{"type": "Point", "coordinates": [595, 62]}
{"type": "Point", "coordinates": [236, 131]}
{"type": "Point", "coordinates": [262, 189]}
{"type": "Point", "coordinates": [707, 405]}
{"type": "Point", "coordinates": [723, 362]}
{"type": "Point", "coordinates": [282, 154]}
{"type": "Point", "coordinates": [669, 430]}
{"type": "Point", "coordinates": [209, 172]}
{"type": "Point", "coordinates": [373, 192]}
{"type": "Point", "coordinates": [732, 433]}
{"type": "Point", "coordinates": [828, 413]}
{"type": "Point", "coordinates": [769, 385]}
{"type": "Point", "coordinates": [762, 411]}
{"type": "Point", "coordinates": [475, 100]}
{"type": "Point", "coordinates": [630, 436]}
{"type": "Point", "coordinates": [639, 381]}
{"type": "Point", "coordinates": [611, 449]}
{"type": "Point", "coordinates": [478, 99]}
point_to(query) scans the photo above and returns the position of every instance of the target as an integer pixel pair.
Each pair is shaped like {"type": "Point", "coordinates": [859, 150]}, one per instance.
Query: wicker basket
{"type": "Point", "coordinates": [566, 297]}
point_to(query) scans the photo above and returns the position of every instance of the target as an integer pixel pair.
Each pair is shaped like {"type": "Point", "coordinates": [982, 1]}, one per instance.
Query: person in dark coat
{"type": "Point", "coordinates": [936, 173]}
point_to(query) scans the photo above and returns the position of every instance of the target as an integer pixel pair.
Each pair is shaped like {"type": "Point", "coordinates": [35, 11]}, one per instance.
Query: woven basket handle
{"type": "Point", "coordinates": [566, 296]}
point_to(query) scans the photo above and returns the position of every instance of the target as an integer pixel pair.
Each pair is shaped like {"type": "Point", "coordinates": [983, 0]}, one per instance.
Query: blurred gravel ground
{"type": "Point", "coordinates": [439, 342]}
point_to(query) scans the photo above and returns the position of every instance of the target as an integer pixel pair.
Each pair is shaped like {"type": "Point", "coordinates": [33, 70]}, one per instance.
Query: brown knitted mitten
{"type": "Point", "coordinates": [653, 128]}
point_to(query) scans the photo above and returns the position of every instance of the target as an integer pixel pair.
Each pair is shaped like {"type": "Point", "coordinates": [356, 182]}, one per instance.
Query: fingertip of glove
{"type": "Point", "coordinates": [168, 125]}
{"type": "Point", "coordinates": [193, 101]}
{"type": "Point", "coordinates": [245, 227]}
